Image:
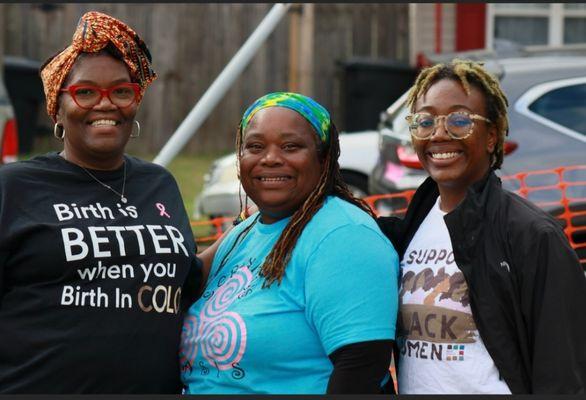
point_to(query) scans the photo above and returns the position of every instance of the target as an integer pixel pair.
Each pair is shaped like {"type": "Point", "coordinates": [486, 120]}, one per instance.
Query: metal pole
{"type": "Point", "coordinates": [220, 86]}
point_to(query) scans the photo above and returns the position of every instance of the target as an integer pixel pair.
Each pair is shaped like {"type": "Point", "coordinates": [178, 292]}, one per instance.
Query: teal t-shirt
{"type": "Point", "coordinates": [340, 287]}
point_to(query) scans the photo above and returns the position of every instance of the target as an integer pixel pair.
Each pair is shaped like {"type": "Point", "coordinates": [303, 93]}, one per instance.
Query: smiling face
{"type": "Point", "coordinates": [96, 137]}
{"type": "Point", "coordinates": [455, 164]}
{"type": "Point", "coordinates": [279, 162]}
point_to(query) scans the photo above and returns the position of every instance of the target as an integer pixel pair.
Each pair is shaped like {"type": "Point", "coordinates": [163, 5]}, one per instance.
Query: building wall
{"type": "Point", "coordinates": [192, 43]}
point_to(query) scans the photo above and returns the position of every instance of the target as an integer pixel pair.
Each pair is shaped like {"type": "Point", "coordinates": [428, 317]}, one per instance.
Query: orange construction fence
{"type": "Point", "coordinates": [561, 192]}
{"type": "Point", "coordinates": [558, 190]}
{"type": "Point", "coordinates": [208, 231]}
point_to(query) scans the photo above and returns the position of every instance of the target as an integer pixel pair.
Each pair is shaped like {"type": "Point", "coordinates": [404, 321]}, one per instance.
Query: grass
{"type": "Point", "coordinates": [189, 170]}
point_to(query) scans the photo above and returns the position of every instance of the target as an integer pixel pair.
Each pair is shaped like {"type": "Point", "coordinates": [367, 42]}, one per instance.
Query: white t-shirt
{"type": "Point", "coordinates": [441, 350]}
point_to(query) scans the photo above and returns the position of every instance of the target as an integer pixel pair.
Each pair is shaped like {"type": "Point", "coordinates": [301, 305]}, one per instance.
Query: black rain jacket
{"type": "Point", "coordinates": [526, 286]}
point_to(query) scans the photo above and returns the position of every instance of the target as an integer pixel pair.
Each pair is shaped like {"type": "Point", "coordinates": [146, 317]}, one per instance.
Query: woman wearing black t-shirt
{"type": "Point", "coordinates": [95, 246]}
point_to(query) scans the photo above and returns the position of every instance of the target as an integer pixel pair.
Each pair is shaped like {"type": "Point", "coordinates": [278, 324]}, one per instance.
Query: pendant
{"type": "Point", "coordinates": [123, 199]}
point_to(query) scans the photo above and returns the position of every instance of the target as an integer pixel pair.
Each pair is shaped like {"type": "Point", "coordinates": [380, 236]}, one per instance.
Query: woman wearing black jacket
{"type": "Point", "coordinates": [492, 296]}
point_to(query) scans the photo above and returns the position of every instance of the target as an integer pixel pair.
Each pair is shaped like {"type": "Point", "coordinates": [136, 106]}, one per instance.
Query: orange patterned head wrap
{"type": "Point", "coordinates": [94, 32]}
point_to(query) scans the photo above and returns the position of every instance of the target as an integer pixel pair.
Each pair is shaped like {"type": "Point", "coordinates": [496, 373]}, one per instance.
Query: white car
{"type": "Point", "coordinates": [221, 189]}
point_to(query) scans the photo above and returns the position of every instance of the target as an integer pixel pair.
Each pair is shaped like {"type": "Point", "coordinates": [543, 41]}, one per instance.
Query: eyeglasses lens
{"type": "Point", "coordinates": [422, 125]}
{"type": "Point", "coordinates": [122, 95]}
{"type": "Point", "coordinates": [87, 97]}
{"type": "Point", "coordinates": [459, 124]}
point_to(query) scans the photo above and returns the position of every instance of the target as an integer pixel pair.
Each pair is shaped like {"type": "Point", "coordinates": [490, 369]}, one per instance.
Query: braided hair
{"type": "Point", "coordinates": [330, 183]}
{"type": "Point", "coordinates": [468, 73]}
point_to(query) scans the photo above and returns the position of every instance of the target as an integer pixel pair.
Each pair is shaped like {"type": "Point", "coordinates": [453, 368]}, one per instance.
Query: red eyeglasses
{"type": "Point", "coordinates": [87, 96]}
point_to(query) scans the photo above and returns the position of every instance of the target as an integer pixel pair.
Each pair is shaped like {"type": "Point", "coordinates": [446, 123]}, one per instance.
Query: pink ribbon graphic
{"type": "Point", "coordinates": [161, 208]}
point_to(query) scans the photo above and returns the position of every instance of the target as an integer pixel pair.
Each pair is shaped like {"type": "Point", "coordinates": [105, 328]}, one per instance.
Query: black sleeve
{"type": "Point", "coordinates": [361, 367]}
{"type": "Point", "coordinates": [393, 229]}
{"type": "Point", "coordinates": [191, 289]}
{"type": "Point", "coordinates": [553, 295]}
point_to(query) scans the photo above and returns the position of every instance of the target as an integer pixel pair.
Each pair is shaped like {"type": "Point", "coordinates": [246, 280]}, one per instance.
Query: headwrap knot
{"type": "Point", "coordinates": [312, 111]}
{"type": "Point", "coordinates": [94, 32]}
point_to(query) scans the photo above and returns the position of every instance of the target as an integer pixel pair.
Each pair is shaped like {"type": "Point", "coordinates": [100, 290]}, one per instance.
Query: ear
{"type": "Point", "coordinates": [492, 139]}
{"type": "Point", "coordinates": [58, 116]}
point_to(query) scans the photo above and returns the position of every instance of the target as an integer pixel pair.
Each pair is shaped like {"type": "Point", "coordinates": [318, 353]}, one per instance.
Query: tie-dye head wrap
{"type": "Point", "coordinates": [309, 109]}
{"type": "Point", "coordinates": [94, 32]}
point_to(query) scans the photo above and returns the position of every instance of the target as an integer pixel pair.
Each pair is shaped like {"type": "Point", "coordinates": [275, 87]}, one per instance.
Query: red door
{"type": "Point", "coordinates": [470, 26]}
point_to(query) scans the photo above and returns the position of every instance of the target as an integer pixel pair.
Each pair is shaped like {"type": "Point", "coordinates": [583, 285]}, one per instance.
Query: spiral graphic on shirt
{"type": "Point", "coordinates": [220, 335]}
{"type": "Point", "coordinates": [188, 350]}
{"type": "Point", "coordinates": [223, 340]}
{"type": "Point", "coordinates": [227, 293]}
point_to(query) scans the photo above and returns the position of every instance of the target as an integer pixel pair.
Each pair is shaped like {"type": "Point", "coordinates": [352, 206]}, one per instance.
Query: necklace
{"type": "Point", "coordinates": [122, 197]}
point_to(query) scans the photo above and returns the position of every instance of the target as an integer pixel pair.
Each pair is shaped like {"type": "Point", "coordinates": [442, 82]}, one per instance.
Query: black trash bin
{"type": "Point", "coordinates": [25, 89]}
{"type": "Point", "coordinates": [368, 87]}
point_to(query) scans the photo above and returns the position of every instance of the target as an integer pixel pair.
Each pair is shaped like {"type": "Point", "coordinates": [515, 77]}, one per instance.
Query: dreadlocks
{"type": "Point", "coordinates": [330, 183]}
{"type": "Point", "coordinates": [469, 72]}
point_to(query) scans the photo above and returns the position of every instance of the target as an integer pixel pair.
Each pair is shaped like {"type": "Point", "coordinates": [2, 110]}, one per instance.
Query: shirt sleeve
{"type": "Point", "coordinates": [351, 287]}
{"type": "Point", "coordinates": [362, 368]}
{"type": "Point", "coordinates": [393, 229]}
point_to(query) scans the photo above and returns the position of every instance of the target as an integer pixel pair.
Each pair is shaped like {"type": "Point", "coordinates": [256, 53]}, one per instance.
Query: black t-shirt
{"type": "Point", "coordinates": [90, 287]}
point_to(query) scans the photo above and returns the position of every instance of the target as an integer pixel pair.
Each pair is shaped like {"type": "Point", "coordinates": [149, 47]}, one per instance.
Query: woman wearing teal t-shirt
{"type": "Point", "coordinates": [302, 296]}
